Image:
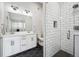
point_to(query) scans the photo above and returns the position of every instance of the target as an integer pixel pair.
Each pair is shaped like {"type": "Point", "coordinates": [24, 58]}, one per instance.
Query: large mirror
{"type": "Point", "coordinates": [19, 23]}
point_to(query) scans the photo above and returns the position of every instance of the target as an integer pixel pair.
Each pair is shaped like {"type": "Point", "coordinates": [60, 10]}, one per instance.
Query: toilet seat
{"type": "Point", "coordinates": [40, 40]}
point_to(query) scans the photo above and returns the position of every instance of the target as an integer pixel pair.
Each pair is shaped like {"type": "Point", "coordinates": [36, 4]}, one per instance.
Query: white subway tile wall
{"type": "Point", "coordinates": [52, 34]}
{"type": "Point", "coordinates": [56, 38]}
{"type": "Point", "coordinates": [67, 23]}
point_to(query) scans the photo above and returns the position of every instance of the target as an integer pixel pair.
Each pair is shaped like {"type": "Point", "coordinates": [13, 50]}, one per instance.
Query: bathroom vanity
{"type": "Point", "coordinates": [16, 43]}
{"type": "Point", "coordinates": [18, 35]}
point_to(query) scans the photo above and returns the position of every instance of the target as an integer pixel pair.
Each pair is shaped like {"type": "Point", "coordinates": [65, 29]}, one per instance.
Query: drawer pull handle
{"type": "Point", "coordinates": [12, 43]}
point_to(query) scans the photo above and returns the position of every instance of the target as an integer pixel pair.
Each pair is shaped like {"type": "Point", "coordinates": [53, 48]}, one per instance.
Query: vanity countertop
{"type": "Point", "coordinates": [18, 34]}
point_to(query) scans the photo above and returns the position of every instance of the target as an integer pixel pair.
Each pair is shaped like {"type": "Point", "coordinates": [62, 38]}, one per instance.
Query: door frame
{"type": "Point", "coordinates": [44, 29]}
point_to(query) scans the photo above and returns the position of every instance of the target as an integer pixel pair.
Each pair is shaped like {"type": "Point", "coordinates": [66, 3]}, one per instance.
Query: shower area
{"type": "Point", "coordinates": [61, 29]}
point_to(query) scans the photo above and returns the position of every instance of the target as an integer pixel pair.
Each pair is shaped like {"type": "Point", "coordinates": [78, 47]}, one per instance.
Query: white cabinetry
{"type": "Point", "coordinates": [33, 40]}
{"type": "Point", "coordinates": [6, 47]}
{"type": "Point", "coordinates": [16, 44]}
{"type": "Point", "coordinates": [25, 43]}
{"type": "Point", "coordinates": [28, 42]}
{"type": "Point", "coordinates": [11, 45]}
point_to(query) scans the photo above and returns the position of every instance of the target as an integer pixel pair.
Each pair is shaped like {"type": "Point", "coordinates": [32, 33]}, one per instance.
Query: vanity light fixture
{"type": "Point", "coordinates": [14, 7]}
{"type": "Point", "coordinates": [27, 11]}
{"type": "Point", "coordinates": [75, 6]}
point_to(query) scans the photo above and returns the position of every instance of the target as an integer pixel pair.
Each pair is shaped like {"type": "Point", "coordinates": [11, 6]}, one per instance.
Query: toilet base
{"type": "Point", "coordinates": [40, 43]}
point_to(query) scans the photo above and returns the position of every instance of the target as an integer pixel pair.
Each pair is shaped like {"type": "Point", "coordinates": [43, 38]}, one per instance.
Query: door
{"type": "Point", "coordinates": [6, 47]}
{"type": "Point", "coordinates": [67, 27]}
{"type": "Point", "coordinates": [24, 43]}
{"type": "Point", "coordinates": [15, 45]}
{"type": "Point", "coordinates": [33, 40]}
{"type": "Point", "coordinates": [76, 45]}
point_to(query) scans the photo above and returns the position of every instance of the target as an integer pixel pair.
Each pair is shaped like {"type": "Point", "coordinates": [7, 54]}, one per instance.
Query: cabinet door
{"type": "Point", "coordinates": [33, 41]}
{"type": "Point", "coordinates": [11, 46]}
{"type": "Point", "coordinates": [15, 45]}
{"type": "Point", "coordinates": [6, 47]}
{"type": "Point", "coordinates": [24, 44]}
{"type": "Point", "coordinates": [28, 41]}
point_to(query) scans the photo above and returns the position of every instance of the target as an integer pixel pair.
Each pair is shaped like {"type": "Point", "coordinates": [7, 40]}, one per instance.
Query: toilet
{"type": "Point", "coordinates": [40, 39]}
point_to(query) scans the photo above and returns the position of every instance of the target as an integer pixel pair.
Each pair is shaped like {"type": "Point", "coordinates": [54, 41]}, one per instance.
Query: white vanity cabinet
{"type": "Point", "coordinates": [16, 44]}
{"type": "Point", "coordinates": [11, 45]}
{"type": "Point", "coordinates": [24, 43]}
{"type": "Point", "coordinates": [6, 47]}
{"type": "Point", "coordinates": [28, 42]}
{"type": "Point", "coordinates": [33, 40]}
